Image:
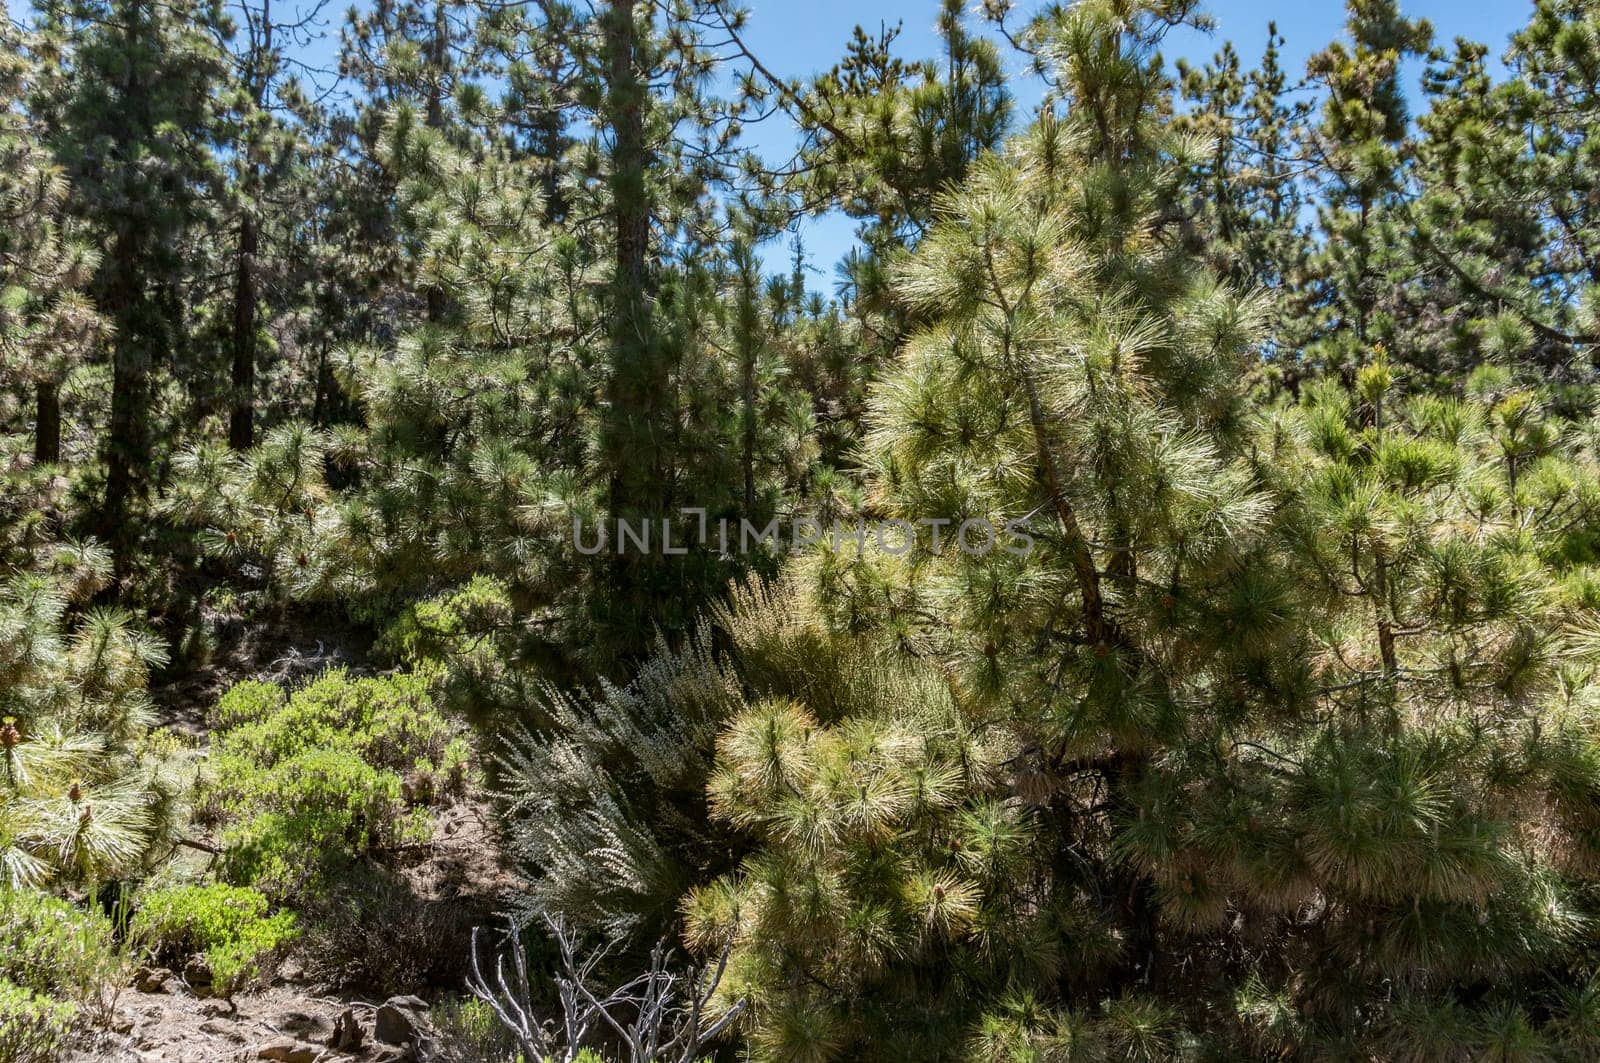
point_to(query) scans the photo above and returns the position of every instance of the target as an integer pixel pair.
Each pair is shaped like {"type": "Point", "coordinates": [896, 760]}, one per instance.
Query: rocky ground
{"type": "Point", "coordinates": [287, 1023]}
{"type": "Point", "coordinates": [161, 1018]}
{"type": "Point", "coordinates": [288, 649]}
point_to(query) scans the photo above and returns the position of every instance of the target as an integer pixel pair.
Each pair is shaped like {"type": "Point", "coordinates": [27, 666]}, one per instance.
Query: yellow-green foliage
{"type": "Point", "coordinates": [33, 1028]}
{"type": "Point", "coordinates": [53, 947]}
{"type": "Point", "coordinates": [227, 925]}
{"type": "Point", "coordinates": [304, 781]}
{"type": "Point", "coordinates": [468, 1028]}
{"type": "Point", "coordinates": [1283, 739]}
{"type": "Point", "coordinates": [450, 625]}
{"type": "Point", "coordinates": [56, 960]}
{"type": "Point", "coordinates": [469, 636]}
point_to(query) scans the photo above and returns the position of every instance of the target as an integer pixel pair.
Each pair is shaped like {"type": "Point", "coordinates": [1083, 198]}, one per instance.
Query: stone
{"type": "Point", "coordinates": [300, 1024]}
{"type": "Point", "coordinates": [197, 972]}
{"type": "Point", "coordinates": [288, 1051]}
{"type": "Point", "coordinates": [151, 979]}
{"type": "Point", "coordinates": [400, 1020]}
{"type": "Point", "coordinates": [407, 1054]}
{"type": "Point", "coordinates": [347, 1032]}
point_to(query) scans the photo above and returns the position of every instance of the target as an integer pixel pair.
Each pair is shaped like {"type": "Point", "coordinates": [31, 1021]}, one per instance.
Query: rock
{"type": "Point", "coordinates": [300, 1024]}
{"type": "Point", "coordinates": [347, 1032]}
{"type": "Point", "coordinates": [219, 1028]}
{"type": "Point", "coordinates": [410, 1003]}
{"type": "Point", "coordinates": [408, 1054]}
{"type": "Point", "coordinates": [289, 1052]}
{"type": "Point", "coordinates": [400, 1020]}
{"type": "Point", "coordinates": [151, 979]}
{"type": "Point", "coordinates": [197, 972]}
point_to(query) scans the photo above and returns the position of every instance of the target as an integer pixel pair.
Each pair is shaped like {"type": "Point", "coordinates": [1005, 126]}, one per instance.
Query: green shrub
{"type": "Point", "coordinates": [302, 784]}
{"type": "Point", "coordinates": [450, 626]}
{"type": "Point", "coordinates": [469, 637]}
{"type": "Point", "coordinates": [311, 813]}
{"type": "Point", "coordinates": [227, 925]}
{"type": "Point", "coordinates": [470, 1033]}
{"type": "Point", "coordinates": [246, 702]}
{"type": "Point", "coordinates": [52, 947]}
{"type": "Point", "coordinates": [33, 1028]}
{"type": "Point", "coordinates": [315, 793]}
{"type": "Point", "coordinates": [388, 721]}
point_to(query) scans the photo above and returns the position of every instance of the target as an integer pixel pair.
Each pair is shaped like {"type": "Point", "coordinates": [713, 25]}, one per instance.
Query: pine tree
{"type": "Point", "coordinates": [1357, 278]}
{"type": "Point", "coordinates": [266, 146]}
{"type": "Point", "coordinates": [1075, 365]}
{"type": "Point", "coordinates": [464, 461]}
{"type": "Point", "coordinates": [1507, 190]}
{"type": "Point", "coordinates": [1247, 194]}
{"type": "Point", "coordinates": [882, 138]}
{"type": "Point", "coordinates": [1244, 751]}
{"type": "Point", "coordinates": [47, 327]}
{"type": "Point", "coordinates": [422, 56]}
{"type": "Point", "coordinates": [133, 128]}
{"type": "Point", "coordinates": [85, 796]}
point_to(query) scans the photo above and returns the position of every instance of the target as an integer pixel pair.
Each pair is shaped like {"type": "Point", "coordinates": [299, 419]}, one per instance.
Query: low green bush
{"type": "Point", "coordinates": [388, 721]}
{"type": "Point", "coordinates": [312, 814]}
{"type": "Point", "coordinates": [303, 784]}
{"type": "Point", "coordinates": [247, 702]}
{"type": "Point", "coordinates": [52, 947]}
{"type": "Point", "coordinates": [451, 626]}
{"type": "Point", "coordinates": [469, 639]}
{"type": "Point", "coordinates": [468, 1032]}
{"type": "Point", "coordinates": [317, 795]}
{"type": "Point", "coordinates": [227, 925]}
{"type": "Point", "coordinates": [33, 1028]}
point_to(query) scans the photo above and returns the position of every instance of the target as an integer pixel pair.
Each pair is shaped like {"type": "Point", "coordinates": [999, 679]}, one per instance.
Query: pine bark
{"type": "Point", "coordinates": [241, 417]}
{"type": "Point", "coordinates": [638, 377]}
{"type": "Point", "coordinates": [134, 317]}
{"type": "Point", "coordinates": [47, 423]}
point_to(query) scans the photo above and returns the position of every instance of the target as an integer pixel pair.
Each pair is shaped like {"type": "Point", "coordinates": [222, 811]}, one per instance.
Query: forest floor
{"type": "Point", "coordinates": [286, 649]}
{"type": "Point", "coordinates": [294, 1018]}
{"type": "Point", "coordinates": [288, 1020]}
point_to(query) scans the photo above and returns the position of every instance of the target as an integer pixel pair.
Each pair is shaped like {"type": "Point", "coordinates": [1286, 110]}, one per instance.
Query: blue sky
{"type": "Point", "coordinates": [800, 37]}
{"type": "Point", "coordinates": [797, 38]}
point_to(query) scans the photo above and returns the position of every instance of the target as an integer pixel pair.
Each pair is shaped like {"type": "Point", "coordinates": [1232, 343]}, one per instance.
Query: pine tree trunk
{"type": "Point", "coordinates": [638, 380]}
{"type": "Point", "coordinates": [241, 418]}
{"type": "Point", "coordinates": [242, 410]}
{"type": "Point", "coordinates": [127, 449]}
{"type": "Point", "coordinates": [322, 404]}
{"type": "Point", "coordinates": [437, 51]}
{"type": "Point", "coordinates": [636, 439]}
{"type": "Point", "coordinates": [1083, 567]}
{"type": "Point", "coordinates": [47, 423]}
{"type": "Point", "coordinates": [135, 319]}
